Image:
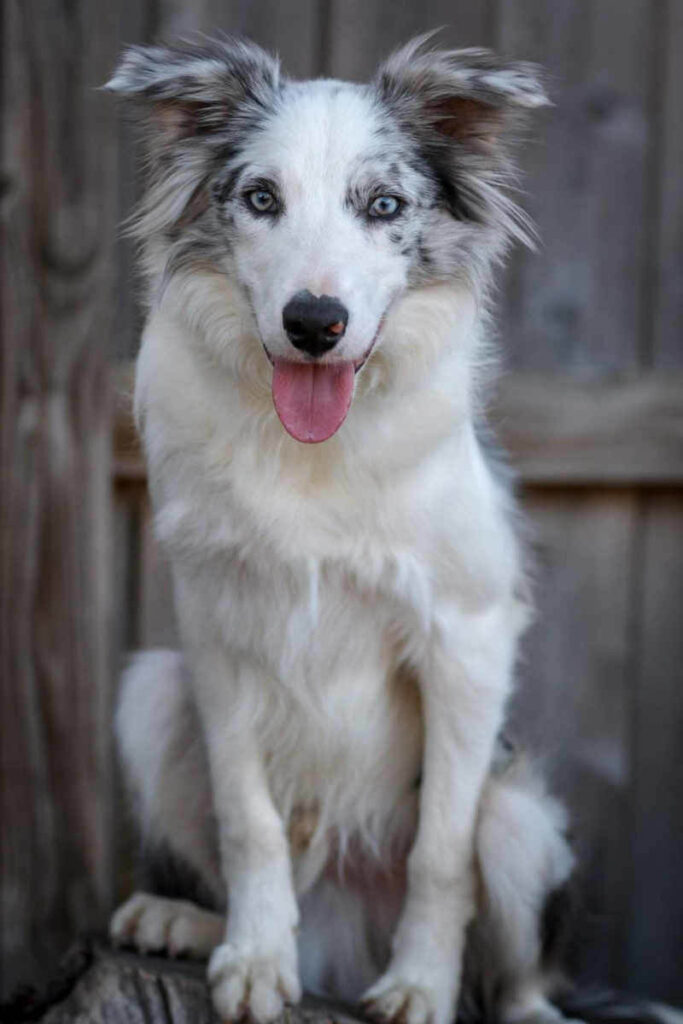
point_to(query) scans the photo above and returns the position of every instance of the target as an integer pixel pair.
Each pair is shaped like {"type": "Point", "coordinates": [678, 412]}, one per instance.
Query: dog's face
{"type": "Point", "coordinates": [325, 201]}
{"type": "Point", "coordinates": [321, 214]}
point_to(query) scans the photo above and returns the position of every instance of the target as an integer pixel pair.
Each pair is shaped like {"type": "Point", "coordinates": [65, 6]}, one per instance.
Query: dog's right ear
{"type": "Point", "coordinates": [187, 90]}
{"type": "Point", "coordinates": [467, 97]}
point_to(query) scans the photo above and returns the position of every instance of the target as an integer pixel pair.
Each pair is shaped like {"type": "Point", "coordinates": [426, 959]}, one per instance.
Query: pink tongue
{"type": "Point", "coordinates": [312, 399]}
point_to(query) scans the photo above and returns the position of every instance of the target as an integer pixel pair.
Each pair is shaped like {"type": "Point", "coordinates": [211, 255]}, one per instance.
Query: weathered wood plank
{"type": "Point", "coordinates": [654, 944]}
{"type": "Point", "coordinates": [580, 308]}
{"type": "Point", "coordinates": [574, 702]}
{"type": "Point", "coordinates": [176, 18]}
{"type": "Point", "coordinates": [58, 224]}
{"type": "Point", "coordinates": [354, 53]}
{"type": "Point", "coordinates": [137, 24]}
{"type": "Point", "coordinates": [557, 431]}
{"type": "Point", "coordinates": [654, 937]}
{"type": "Point", "coordinates": [295, 29]}
{"type": "Point", "coordinates": [562, 431]}
{"type": "Point", "coordinates": [292, 28]}
{"type": "Point", "coordinates": [667, 340]}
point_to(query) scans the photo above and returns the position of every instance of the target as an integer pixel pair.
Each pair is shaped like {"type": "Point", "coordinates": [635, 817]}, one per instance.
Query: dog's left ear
{"type": "Point", "coordinates": [469, 97]}
{"type": "Point", "coordinates": [194, 89]}
{"type": "Point", "coordinates": [182, 95]}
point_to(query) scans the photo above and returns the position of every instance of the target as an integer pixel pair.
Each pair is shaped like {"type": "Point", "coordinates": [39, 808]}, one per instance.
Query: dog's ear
{"type": "Point", "coordinates": [469, 97]}
{"type": "Point", "coordinates": [194, 89]}
{"type": "Point", "coordinates": [183, 95]}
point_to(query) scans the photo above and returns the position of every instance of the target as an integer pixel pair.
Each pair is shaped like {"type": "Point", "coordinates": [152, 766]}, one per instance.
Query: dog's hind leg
{"type": "Point", "coordinates": [523, 858]}
{"type": "Point", "coordinates": [165, 767]}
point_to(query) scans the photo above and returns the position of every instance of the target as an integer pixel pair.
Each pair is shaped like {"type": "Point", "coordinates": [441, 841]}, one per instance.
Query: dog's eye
{"type": "Point", "coordinates": [384, 206]}
{"type": "Point", "coordinates": [262, 200]}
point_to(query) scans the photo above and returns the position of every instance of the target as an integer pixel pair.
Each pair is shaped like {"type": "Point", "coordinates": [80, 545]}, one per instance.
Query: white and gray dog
{"type": "Point", "coordinates": [322, 758]}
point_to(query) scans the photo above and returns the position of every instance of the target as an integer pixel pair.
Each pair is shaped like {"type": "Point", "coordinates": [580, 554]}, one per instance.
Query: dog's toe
{"type": "Point", "coordinates": [250, 987]}
{"type": "Point", "coordinates": [153, 925]}
{"type": "Point", "coordinates": [399, 1003]}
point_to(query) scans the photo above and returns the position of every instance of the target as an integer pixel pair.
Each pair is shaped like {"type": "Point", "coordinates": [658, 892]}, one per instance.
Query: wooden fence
{"type": "Point", "coordinates": [592, 411]}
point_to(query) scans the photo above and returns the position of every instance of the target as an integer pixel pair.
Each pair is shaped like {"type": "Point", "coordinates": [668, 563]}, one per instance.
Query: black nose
{"type": "Point", "coordinates": [312, 324]}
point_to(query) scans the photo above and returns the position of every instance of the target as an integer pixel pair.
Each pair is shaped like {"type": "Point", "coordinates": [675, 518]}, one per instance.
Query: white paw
{"type": "Point", "coordinates": [412, 996]}
{"type": "Point", "coordinates": [154, 925]}
{"type": "Point", "coordinates": [393, 998]}
{"type": "Point", "coordinates": [253, 987]}
{"type": "Point", "coordinates": [532, 1007]}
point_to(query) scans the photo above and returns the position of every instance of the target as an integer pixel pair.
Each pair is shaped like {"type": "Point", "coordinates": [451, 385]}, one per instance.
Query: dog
{"type": "Point", "coordinates": [322, 765]}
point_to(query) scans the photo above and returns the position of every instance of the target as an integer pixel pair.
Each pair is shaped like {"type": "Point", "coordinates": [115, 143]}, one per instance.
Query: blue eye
{"type": "Point", "coordinates": [262, 200]}
{"type": "Point", "coordinates": [384, 206]}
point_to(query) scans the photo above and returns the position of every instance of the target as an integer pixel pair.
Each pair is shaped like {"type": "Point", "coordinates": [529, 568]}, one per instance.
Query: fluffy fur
{"type": "Point", "coordinates": [322, 756]}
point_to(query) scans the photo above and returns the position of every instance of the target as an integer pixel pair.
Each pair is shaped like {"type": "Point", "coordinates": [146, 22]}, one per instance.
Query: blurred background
{"type": "Point", "coordinates": [591, 410]}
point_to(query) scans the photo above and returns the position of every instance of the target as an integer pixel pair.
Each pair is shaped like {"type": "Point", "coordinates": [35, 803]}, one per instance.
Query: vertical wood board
{"type": "Point", "coordinates": [579, 305]}
{"type": "Point", "coordinates": [667, 264]}
{"type": "Point", "coordinates": [573, 705]}
{"type": "Point", "coordinates": [654, 937]}
{"type": "Point", "coordinates": [362, 34]}
{"type": "Point", "coordinates": [59, 157]}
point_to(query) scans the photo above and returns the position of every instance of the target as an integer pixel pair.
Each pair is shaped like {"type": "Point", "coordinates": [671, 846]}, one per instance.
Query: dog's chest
{"type": "Point", "coordinates": [313, 624]}
{"type": "Point", "coordinates": [338, 714]}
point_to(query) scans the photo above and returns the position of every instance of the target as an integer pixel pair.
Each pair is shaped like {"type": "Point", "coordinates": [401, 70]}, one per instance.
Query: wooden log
{"type": "Point", "coordinates": [100, 985]}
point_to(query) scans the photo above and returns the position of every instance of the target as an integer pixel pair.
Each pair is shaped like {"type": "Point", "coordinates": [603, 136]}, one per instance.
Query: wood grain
{"type": "Point", "coordinates": [580, 306]}
{"type": "Point", "coordinates": [655, 924]}
{"type": "Point", "coordinates": [115, 987]}
{"type": "Point", "coordinates": [58, 222]}
{"type": "Point", "coordinates": [562, 431]}
{"type": "Point", "coordinates": [573, 707]}
{"type": "Point", "coordinates": [361, 34]}
{"type": "Point", "coordinates": [667, 262]}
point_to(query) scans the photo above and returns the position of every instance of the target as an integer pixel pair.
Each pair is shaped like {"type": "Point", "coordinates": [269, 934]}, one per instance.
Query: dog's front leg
{"type": "Point", "coordinates": [463, 683]}
{"type": "Point", "coordinates": [254, 971]}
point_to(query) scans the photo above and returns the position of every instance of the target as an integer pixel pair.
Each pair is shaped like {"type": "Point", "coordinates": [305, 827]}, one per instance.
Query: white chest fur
{"type": "Point", "coordinates": [326, 566]}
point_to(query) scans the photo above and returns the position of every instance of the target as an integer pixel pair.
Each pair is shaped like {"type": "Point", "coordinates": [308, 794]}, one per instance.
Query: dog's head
{"type": "Point", "coordinates": [323, 201]}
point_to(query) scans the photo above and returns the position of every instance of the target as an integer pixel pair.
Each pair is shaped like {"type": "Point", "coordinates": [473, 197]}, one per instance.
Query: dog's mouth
{"type": "Point", "coordinates": [312, 399]}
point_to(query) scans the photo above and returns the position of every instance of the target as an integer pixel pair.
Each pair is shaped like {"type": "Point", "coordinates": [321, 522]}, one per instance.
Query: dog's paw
{"type": "Point", "coordinates": [156, 925]}
{"type": "Point", "coordinates": [252, 987]}
{"type": "Point", "coordinates": [532, 1007]}
{"type": "Point", "coordinates": [399, 1002]}
{"type": "Point", "coordinates": [410, 1001]}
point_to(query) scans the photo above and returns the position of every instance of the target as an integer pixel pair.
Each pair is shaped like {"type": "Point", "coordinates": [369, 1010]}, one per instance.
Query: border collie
{"type": "Point", "coordinates": [323, 759]}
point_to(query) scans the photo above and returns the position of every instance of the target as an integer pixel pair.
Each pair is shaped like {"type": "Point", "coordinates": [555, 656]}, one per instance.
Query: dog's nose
{"type": "Point", "coordinates": [314, 324]}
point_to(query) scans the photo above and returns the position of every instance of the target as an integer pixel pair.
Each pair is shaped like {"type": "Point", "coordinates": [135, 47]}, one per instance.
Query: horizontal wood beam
{"type": "Point", "coordinates": [564, 431]}
{"type": "Point", "coordinates": [558, 430]}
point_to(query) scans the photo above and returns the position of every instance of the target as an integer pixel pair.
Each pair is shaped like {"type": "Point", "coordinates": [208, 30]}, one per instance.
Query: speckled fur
{"type": "Point", "coordinates": [325, 745]}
